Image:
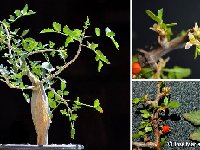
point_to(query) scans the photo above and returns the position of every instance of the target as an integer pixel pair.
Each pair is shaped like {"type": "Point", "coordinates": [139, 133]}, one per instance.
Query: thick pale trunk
{"type": "Point", "coordinates": [40, 114]}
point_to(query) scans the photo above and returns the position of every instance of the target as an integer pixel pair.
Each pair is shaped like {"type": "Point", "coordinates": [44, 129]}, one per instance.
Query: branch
{"type": "Point", "coordinates": [42, 51]}
{"type": "Point", "coordinates": [68, 63]}
{"type": "Point", "coordinates": [8, 37]}
{"type": "Point", "coordinates": [150, 58]}
{"type": "Point", "coordinates": [7, 81]}
{"type": "Point", "coordinates": [61, 98]}
{"type": "Point", "coordinates": [155, 121]}
{"type": "Point", "coordinates": [144, 144]}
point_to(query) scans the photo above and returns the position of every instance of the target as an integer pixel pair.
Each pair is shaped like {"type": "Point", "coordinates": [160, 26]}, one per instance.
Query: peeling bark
{"type": "Point", "coordinates": [40, 111]}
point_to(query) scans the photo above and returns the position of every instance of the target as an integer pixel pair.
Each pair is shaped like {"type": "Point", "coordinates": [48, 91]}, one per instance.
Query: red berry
{"type": "Point", "coordinates": [165, 129]}
{"type": "Point", "coordinates": [136, 68]}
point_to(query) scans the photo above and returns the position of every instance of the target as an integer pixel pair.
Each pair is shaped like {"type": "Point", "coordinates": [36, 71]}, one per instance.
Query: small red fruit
{"type": "Point", "coordinates": [136, 68]}
{"type": "Point", "coordinates": [165, 129]}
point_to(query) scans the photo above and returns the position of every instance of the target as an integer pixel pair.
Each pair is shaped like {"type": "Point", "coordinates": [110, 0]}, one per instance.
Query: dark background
{"type": "Point", "coordinates": [109, 130]}
{"type": "Point", "coordinates": [183, 12]}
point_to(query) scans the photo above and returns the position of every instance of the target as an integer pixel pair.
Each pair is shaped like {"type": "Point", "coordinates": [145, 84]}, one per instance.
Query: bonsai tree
{"type": "Point", "coordinates": [19, 63]}
{"type": "Point", "coordinates": [150, 63]}
{"type": "Point", "coordinates": [153, 130]}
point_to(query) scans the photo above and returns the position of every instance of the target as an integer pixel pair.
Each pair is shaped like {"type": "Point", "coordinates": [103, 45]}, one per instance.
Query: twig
{"type": "Point", "coordinates": [42, 51]}
{"type": "Point", "coordinates": [7, 81]}
{"type": "Point", "coordinates": [144, 144]}
{"type": "Point", "coordinates": [8, 37]}
{"type": "Point", "coordinates": [152, 57]}
{"type": "Point", "coordinates": [67, 64]}
{"type": "Point", "coordinates": [61, 98]}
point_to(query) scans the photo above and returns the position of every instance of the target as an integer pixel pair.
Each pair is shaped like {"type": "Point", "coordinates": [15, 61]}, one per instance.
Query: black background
{"type": "Point", "coordinates": [183, 12]}
{"type": "Point", "coordinates": [109, 130]}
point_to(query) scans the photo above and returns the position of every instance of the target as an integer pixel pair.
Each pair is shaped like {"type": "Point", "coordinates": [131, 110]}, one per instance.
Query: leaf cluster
{"type": "Point", "coordinates": [159, 19]}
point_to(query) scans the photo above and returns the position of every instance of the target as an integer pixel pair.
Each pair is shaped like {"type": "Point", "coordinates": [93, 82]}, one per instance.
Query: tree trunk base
{"type": "Point", "coordinates": [41, 147]}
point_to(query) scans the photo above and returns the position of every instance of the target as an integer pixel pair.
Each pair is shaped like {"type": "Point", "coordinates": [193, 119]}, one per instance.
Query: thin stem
{"type": "Point", "coordinates": [61, 98]}
{"type": "Point", "coordinates": [68, 63]}
{"type": "Point", "coordinates": [8, 37]}
{"type": "Point", "coordinates": [42, 51]}
{"type": "Point", "coordinates": [86, 105]}
{"type": "Point", "coordinates": [7, 81]}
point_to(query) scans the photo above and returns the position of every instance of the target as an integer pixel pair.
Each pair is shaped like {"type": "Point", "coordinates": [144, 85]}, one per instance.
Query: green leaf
{"type": "Point", "coordinates": [17, 13]}
{"type": "Point", "coordinates": [178, 72]}
{"type": "Point", "coordinates": [174, 104]}
{"type": "Point", "coordinates": [77, 101]}
{"type": "Point", "coordinates": [96, 103]}
{"type": "Point", "coordinates": [74, 117]}
{"type": "Point", "coordinates": [52, 103]}
{"type": "Point", "coordinates": [101, 56]}
{"type": "Point", "coordinates": [145, 113]}
{"type": "Point", "coordinates": [97, 31]}
{"type": "Point", "coordinates": [63, 54]}
{"type": "Point", "coordinates": [197, 51]}
{"type": "Point", "coordinates": [87, 23]}
{"type": "Point", "coordinates": [166, 101]}
{"type": "Point", "coordinates": [109, 33]}
{"type": "Point", "coordinates": [148, 129]}
{"type": "Point", "coordinates": [76, 34]}
{"type": "Point", "coordinates": [160, 13]}
{"type": "Point", "coordinates": [195, 135]}
{"type": "Point", "coordinates": [27, 98]}
{"type": "Point", "coordinates": [136, 100]}
{"type": "Point", "coordinates": [12, 18]}
{"type": "Point", "coordinates": [171, 25]}
{"type": "Point", "coordinates": [64, 112]}
{"type": "Point", "coordinates": [50, 94]}
{"type": "Point", "coordinates": [21, 85]}
{"type": "Point", "coordinates": [153, 16]}
{"type": "Point", "coordinates": [68, 40]}
{"type": "Point", "coordinates": [53, 53]}
{"type": "Point", "coordinates": [57, 26]}
{"type": "Point", "coordinates": [51, 44]}
{"type": "Point", "coordinates": [141, 133]}
{"type": "Point", "coordinates": [66, 30]}
{"type": "Point", "coordinates": [136, 135]}
{"type": "Point", "coordinates": [115, 43]}
{"type": "Point", "coordinates": [29, 44]}
{"type": "Point", "coordinates": [72, 132]}
{"type": "Point", "coordinates": [99, 109]}
{"type": "Point", "coordinates": [100, 66]}
{"type": "Point", "coordinates": [66, 93]}
{"type": "Point", "coordinates": [25, 9]}
{"type": "Point", "coordinates": [63, 85]}
{"type": "Point", "coordinates": [92, 46]}
{"type": "Point", "coordinates": [162, 141]}
{"type": "Point", "coordinates": [48, 66]}
{"type": "Point", "coordinates": [30, 12]}
{"type": "Point", "coordinates": [193, 117]}
{"type": "Point", "coordinates": [25, 32]}
{"type": "Point", "coordinates": [60, 92]}
{"type": "Point", "coordinates": [146, 72]}
{"type": "Point", "coordinates": [47, 30]}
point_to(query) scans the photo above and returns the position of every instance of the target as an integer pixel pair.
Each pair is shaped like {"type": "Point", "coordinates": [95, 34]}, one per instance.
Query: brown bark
{"type": "Point", "coordinates": [40, 116]}
{"type": "Point", "coordinates": [155, 121]}
{"type": "Point", "coordinates": [40, 111]}
{"type": "Point", "coordinates": [150, 58]}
